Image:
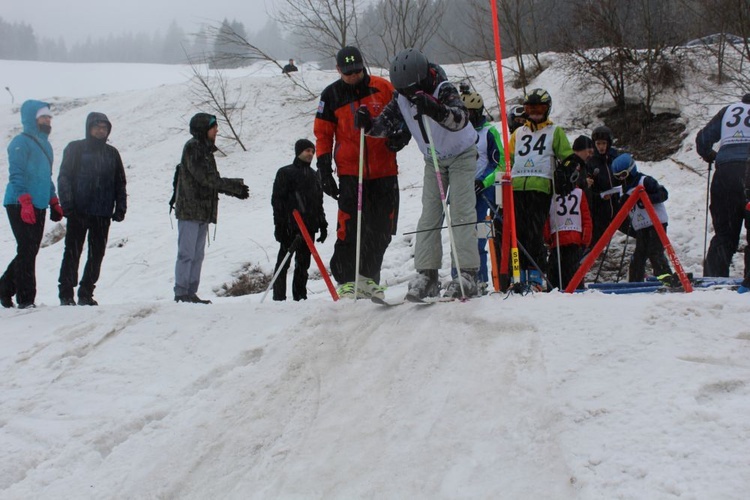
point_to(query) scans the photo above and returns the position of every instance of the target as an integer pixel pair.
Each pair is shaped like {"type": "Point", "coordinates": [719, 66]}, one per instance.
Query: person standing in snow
{"type": "Point", "coordinates": [289, 68]}
{"type": "Point", "coordinates": [745, 286]}
{"type": "Point", "coordinates": [604, 202]}
{"type": "Point", "coordinates": [29, 192]}
{"type": "Point", "coordinates": [536, 148]}
{"type": "Point", "coordinates": [488, 166]}
{"type": "Point", "coordinates": [92, 191]}
{"type": "Point", "coordinates": [425, 98]}
{"type": "Point", "coordinates": [648, 245]}
{"type": "Point", "coordinates": [196, 204]}
{"type": "Point", "coordinates": [297, 187]}
{"type": "Point", "coordinates": [337, 139]}
{"type": "Point", "coordinates": [569, 225]}
{"type": "Point", "coordinates": [731, 128]}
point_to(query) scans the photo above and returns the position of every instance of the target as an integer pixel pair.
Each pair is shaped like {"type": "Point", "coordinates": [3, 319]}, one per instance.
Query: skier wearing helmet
{"type": "Point", "coordinates": [425, 99]}
{"type": "Point", "coordinates": [535, 149]}
{"type": "Point", "coordinates": [648, 245]}
{"type": "Point", "coordinates": [489, 154]}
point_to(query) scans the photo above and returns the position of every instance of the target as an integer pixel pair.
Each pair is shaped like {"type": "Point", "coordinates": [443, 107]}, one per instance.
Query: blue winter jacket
{"type": "Point", "coordinates": [30, 161]}
{"type": "Point", "coordinates": [711, 134]}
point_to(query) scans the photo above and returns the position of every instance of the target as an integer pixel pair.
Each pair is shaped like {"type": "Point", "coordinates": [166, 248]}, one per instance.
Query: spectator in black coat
{"type": "Point", "coordinates": [297, 186]}
{"type": "Point", "coordinates": [92, 193]}
{"type": "Point", "coordinates": [604, 203]}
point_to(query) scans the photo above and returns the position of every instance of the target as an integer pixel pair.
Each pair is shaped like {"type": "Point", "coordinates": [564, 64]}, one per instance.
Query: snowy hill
{"type": "Point", "coordinates": [545, 396]}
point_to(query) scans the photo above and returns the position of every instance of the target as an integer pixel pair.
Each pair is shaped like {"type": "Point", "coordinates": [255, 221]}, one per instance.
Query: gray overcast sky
{"type": "Point", "coordinates": [74, 20]}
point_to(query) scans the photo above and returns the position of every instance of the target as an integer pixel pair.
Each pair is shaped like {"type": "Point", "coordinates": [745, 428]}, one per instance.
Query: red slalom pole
{"type": "Point", "coordinates": [509, 213]}
{"type": "Point", "coordinates": [314, 252]}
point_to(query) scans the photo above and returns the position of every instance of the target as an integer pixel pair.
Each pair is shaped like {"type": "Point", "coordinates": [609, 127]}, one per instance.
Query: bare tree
{"type": "Point", "coordinates": [243, 53]}
{"type": "Point", "coordinates": [403, 23]}
{"type": "Point", "coordinates": [210, 89]}
{"type": "Point", "coordinates": [635, 50]}
{"type": "Point", "coordinates": [322, 25]}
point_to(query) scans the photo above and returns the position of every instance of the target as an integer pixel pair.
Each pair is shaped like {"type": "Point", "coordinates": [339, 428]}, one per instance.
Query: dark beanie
{"type": "Point", "coordinates": [582, 142]}
{"type": "Point", "coordinates": [302, 145]}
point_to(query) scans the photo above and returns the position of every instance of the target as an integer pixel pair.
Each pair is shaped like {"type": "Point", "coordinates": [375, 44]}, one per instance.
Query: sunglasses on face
{"type": "Point", "coordinates": [351, 72]}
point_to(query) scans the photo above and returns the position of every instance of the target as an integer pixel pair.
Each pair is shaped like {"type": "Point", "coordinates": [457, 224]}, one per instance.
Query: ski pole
{"type": "Point", "coordinates": [705, 228]}
{"type": "Point", "coordinates": [622, 259]}
{"type": "Point", "coordinates": [557, 236]}
{"type": "Point", "coordinates": [292, 248]}
{"type": "Point", "coordinates": [433, 153]}
{"type": "Point", "coordinates": [359, 211]}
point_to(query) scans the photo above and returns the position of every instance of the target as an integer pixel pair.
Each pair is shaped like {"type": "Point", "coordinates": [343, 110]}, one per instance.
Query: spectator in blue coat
{"type": "Point", "coordinates": [30, 191]}
{"type": "Point", "coordinates": [92, 194]}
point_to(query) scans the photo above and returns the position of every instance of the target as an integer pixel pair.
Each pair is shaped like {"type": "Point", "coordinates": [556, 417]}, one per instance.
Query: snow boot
{"type": "Point", "coordinates": [424, 284]}
{"type": "Point", "coordinates": [468, 278]}
{"type": "Point", "coordinates": [367, 288]}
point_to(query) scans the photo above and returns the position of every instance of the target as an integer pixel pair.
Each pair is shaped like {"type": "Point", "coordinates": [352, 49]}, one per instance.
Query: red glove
{"type": "Point", "coordinates": [27, 209]}
{"type": "Point", "coordinates": [55, 210]}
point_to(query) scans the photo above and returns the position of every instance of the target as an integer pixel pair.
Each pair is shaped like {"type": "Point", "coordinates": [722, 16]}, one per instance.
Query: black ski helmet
{"type": "Point", "coordinates": [539, 96]}
{"type": "Point", "coordinates": [602, 133]}
{"type": "Point", "coordinates": [409, 69]}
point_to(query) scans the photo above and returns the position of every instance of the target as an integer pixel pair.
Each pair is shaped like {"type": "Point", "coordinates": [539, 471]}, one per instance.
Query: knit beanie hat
{"type": "Point", "coordinates": [582, 142]}
{"type": "Point", "coordinates": [302, 145]}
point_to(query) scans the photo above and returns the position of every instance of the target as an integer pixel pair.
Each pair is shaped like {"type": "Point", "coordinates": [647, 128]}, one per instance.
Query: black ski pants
{"type": "Point", "coordinates": [79, 227]}
{"type": "Point", "coordinates": [301, 255]}
{"type": "Point", "coordinates": [727, 216]}
{"type": "Point", "coordinates": [648, 246]}
{"type": "Point", "coordinates": [19, 278]}
{"type": "Point", "coordinates": [570, 256]}
{"type": "Point", "coordinates": [532, 211]}
{"type": "Point", "coordinates": [380, 200]}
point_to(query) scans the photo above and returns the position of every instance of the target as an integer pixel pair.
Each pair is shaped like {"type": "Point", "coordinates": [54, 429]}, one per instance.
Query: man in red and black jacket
{"type": "Point", "coordinates": [338, 139]}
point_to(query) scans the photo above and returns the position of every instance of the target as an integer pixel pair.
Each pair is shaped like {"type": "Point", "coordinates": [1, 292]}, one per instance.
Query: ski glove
{"type": "Point", "coordinates": [55, 210]}
{"type": "Point", "coordinates": [398, 141]}
{"type": "Point", "coordinates": [362, 119]}
{"type": "Point", "coordinates": [478, 186]}
{"type": "Point", "coordinates": [283, 233]}
{"type": "Point", "coordinates": [118, 216]}
{"type": "Point", "coordinates": [27, 209]}
{"type": "Point", "coordinates": [325, 171]}
{"type": "Point", "coordinates": [323, 235]}
{"type": "Point", "coordinates": [429, 106]}
{"type": "Point", "coordinates": [710, 157]}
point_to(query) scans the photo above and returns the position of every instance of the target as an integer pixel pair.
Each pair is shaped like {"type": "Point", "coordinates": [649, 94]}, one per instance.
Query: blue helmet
{"type": "Point", "coordinates": [623, 166]}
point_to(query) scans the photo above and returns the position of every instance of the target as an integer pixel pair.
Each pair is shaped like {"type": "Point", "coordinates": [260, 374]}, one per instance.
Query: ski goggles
{"type": "Point", "coordinates": [622, 175]}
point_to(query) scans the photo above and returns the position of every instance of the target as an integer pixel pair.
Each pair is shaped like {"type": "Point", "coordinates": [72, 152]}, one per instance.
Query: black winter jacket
{"type": "Point", "coordinates": [92, 177]}
{"type": "Point", "coordinates": [298, 186]}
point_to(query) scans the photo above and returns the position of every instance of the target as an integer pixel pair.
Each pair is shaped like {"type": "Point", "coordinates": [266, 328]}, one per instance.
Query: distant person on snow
{"type": "Point", "coordinates": [731, 128]}
{"type": "Point", "coordinates": [424, 98]}
{"type": "Point", "coordinates": [297, 186]}
{"type": "Point", "coordinates": [337, 139]}
{"type": "Point", "coordinates": [289, 68]}
{"type": "Point", "coordinates": [30, 191]}
{"type": "Point", "coordinates": [92, 193]}
{"type": "Point", "coordinates": [196, 204]}
{"type": "Point", "coordinates": [648, 246]}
